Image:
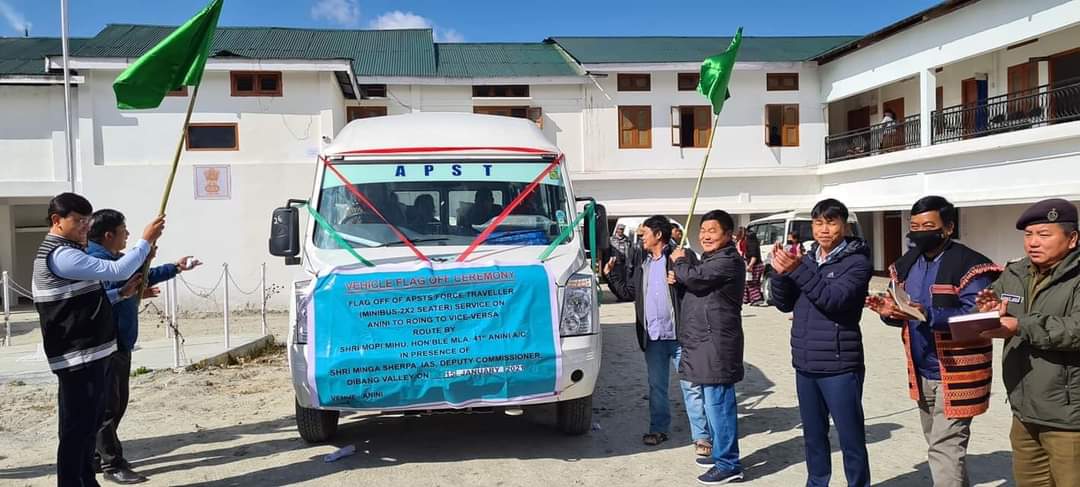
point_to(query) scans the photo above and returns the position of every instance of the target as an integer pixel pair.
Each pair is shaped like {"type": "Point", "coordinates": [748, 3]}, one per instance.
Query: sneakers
{"type": "Point", "coordinates": [715, 476]}
{"type": "Point", "coordinates": [705, 462]}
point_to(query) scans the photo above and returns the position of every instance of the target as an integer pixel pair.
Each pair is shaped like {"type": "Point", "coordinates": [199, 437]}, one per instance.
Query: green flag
{"type": "Point", "coordinates": [716, 73]}
{"type": "Point", "coordinates": [178, 60]}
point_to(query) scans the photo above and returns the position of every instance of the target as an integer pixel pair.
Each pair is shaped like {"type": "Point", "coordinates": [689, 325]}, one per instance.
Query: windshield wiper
{"type": "Point", "coordinates": [422, 240]}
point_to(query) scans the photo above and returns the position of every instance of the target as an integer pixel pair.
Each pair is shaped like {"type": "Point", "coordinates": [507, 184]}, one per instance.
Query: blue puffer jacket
{"type": "Point", "coordinates": [828, 302]}
{"type": "Point", "coordinates": [126, 312]}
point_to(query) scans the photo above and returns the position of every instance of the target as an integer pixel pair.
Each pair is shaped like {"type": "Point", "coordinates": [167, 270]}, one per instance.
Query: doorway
{"type": "Point", "coordinates": [1065, 71]}
{"type": "Point", "coordinates": [893, 136]}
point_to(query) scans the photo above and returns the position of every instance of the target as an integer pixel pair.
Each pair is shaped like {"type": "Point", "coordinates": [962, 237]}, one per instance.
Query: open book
{"type": "Point", "coordinates": [903, 301]}
{"type": "Point", "coordinates": [966, 328]}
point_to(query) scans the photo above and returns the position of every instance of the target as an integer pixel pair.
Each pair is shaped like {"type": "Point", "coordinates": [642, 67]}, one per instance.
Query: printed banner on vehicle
{"type": "Point", "coordinates": [432, 335]}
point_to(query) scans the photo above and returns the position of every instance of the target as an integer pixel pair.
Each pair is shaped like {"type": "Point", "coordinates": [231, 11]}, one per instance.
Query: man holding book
{"type": "Point", "coordinates": [1038, 299]}
{"type": "Point", "coordinates": [949, 380]}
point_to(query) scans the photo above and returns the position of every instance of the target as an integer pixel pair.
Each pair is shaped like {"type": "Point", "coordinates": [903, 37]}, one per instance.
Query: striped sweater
{"type": "Point", "coordinates": [76, 317]}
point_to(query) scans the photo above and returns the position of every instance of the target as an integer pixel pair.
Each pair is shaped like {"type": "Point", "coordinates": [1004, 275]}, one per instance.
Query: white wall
{"type": "Point", "coordinates": [983, 27]}
{"type": "Point", "coordinates": [32, 133]}
{"type": "Point", "coordinates": [740, 137]}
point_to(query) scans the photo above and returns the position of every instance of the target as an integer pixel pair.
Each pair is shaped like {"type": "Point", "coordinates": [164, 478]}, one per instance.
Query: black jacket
{"type": "Point", "coordinates": [828, 301]}
{"type": "Point", "coordinates": [627, 281]}
{"type": "Point", "coordinates": [710, 330]}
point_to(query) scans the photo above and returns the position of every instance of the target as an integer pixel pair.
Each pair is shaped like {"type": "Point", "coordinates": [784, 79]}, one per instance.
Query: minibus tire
{"type": "Point", "coordinates": [574, 416]}
{"type": "Point", "coordinates": [316, 425]}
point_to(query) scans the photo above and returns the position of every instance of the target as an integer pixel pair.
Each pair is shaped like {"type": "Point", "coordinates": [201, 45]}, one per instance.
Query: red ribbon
{"type": "Point", "coordinates": [409, 150]}
{"type": "Point", "coordinates": [363, 199]}
{"type": "Point", "coordinates": [509, 208]}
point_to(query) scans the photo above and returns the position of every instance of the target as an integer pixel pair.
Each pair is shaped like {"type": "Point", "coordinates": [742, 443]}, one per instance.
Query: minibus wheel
{"type": "Point", "coordinates": [574, 416]}
{"type": "Point", "coordinates": [316, 425]}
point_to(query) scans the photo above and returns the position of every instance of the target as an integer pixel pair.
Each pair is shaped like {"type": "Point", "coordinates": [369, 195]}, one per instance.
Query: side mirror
{"type": "Point", "coordinates": [285, 232]}
{"type": "Point", "coordinates": [603, 230]}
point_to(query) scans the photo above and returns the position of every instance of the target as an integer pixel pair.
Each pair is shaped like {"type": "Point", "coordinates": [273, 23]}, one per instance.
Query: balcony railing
{"type": "Point", "coordinates": [875, 139]}
{"type": "Point", "coordinates": [1020, 110]}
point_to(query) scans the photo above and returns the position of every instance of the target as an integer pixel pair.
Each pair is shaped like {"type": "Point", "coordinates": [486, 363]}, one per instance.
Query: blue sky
{"type": "Point", "coordinates": [482, 20]}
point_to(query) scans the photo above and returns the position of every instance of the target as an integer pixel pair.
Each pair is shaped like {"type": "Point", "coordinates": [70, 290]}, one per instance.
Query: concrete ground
{"type": "Point", "coordinates": [235, 426]}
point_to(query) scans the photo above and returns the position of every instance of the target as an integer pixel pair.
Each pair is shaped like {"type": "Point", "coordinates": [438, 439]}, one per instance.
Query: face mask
{"type": "Point", "coordinates": [926, 240]}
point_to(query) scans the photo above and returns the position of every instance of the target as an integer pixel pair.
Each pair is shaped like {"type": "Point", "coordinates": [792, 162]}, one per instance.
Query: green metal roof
{"type": "Point", "coordinates": [26, 55]}
{"type": "Point", "coordinates": [475, 60]}
{"type": "Point", "coordinates": [407, 52]}
{"type": "Point", "coordinates": [601, 50]}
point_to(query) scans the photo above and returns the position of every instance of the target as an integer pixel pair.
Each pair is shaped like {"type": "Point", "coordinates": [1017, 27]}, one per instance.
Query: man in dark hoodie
{"type": "Point", "coordinates": [711, 334]}
{"type": "Point", "coordinates": [108, 237]}
{"type": "Point", "coordinates": [826, 289]}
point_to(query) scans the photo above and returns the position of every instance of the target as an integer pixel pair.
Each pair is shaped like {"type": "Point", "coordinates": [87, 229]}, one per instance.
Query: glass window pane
{"type": "Point", "coordinates": [212, 137]}
{"type": "Point", "coordinates": [268, 83]}
{"type": "Point", "coordinates": [245, 82]}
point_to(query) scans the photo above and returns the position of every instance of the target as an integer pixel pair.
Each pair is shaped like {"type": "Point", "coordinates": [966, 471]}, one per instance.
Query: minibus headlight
{"type": "Point", "coordinates": [579, 306]}
{"type": "Point", "coordinates": [300, 298]}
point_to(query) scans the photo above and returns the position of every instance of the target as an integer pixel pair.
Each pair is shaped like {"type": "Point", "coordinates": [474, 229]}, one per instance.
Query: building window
{"type": "Point", "coordinates": [372, 91]}
{"type": "Point", "coordinates": [634, 82]}
{"type": "Point", "coordinates": [212, 137]}
{"type": "Point", "coordinates": [535, 114]}
{"type": "Point", "coordinates": [260, 83]}
{"type": "Point", "coordinates": [782, 81]}
{"type": "Point", "coordinates": [691, 126]}
{"type": "Point", "coordinates": [689, 81]}
{"type": "Point", "coordinates": [181, 91]}
{"type": "Point", "coordinates": [500, 91]}
{"type": "Point", "coordinates": [635, 127]}
{"type": "Point", "coordinates": [782, 125]}
{"type": "Point", "coordinates": [353, 113]}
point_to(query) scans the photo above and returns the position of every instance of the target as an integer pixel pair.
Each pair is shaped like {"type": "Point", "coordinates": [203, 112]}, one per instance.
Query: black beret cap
{"type": "Point", "coordinates": [1054, 210]}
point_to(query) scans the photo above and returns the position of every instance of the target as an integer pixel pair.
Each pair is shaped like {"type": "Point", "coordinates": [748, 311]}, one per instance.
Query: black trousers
{"type": "Point", "coordinates": [110, 453]}
{"type": "Point", "coordinates": [82, 402]}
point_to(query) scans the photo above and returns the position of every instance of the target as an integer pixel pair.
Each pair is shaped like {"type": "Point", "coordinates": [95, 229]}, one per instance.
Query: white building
{"type": "Point", "coordinates": [985, 115]}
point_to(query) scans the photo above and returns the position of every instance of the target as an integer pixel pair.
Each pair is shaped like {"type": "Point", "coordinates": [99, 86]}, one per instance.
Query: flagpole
{"type": "Point", "coordinates": [69, 150]}
{"type": "Point", "coordinates": [701, 176]}
{"type": "Point", "coordinates": [172, 177]}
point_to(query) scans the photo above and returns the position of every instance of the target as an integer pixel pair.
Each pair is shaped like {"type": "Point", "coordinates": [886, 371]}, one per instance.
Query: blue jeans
{"type": "Point", "coordinates": [839, 396]}
{"type": "Point", "coordinates": [722, 414]}
{"type": "Point", "coordinates": [659, 356]}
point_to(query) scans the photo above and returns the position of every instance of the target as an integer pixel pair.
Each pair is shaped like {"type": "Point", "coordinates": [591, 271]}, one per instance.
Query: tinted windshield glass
{"type": "Point", "coordinates": [767, 233]}
{"type": "Point", "coordinates": [444, 203]}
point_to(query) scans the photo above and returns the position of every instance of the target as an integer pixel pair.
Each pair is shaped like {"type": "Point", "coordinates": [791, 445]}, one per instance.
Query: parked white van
{"type": "Point", "coordinates": [396, 188]}
{"type": "Point", "coordinates": [775, 228]}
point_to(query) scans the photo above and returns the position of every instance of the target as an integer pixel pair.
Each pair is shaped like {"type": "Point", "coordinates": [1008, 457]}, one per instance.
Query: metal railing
{"type": "Point", "coordinates": [1019, 110]}
{"type": "Point", "coordinates": [875, 139]}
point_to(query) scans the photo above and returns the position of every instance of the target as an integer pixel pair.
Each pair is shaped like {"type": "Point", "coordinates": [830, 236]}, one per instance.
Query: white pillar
{"type": "Point", "coordinates": [879, 241]}
{"type": "Point", "coordinates": [7, 310]}
{"type": "Point", "coordinates": [225, 288]}
{"type": "Point", "coordinates": [927, 105]}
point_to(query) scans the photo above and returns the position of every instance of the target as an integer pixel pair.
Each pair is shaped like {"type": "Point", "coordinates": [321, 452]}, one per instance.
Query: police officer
{"type": "Point", "coordinates": [77, 326]}
{"type": "Point", "coordinates": [1038, 298]}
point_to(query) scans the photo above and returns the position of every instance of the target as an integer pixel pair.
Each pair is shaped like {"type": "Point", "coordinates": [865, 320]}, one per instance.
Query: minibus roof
{"type": "Point", "coordinates": [440, 133]}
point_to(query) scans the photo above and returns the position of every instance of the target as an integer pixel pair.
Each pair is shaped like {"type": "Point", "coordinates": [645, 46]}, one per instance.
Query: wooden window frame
{"type": "Point", "coordinates": [769, 84]}
{"type": "Point", "coordinates": [477, 91]}
{"type": "Point", "coordinates": [364, 88]}
{"type": "Point", "coordinates": [256, 85]}
{"type": "Point", "coordinates": [701, 137]}
{"type": "Point", "coordinates": [785, 141]}
{"type": "Point", "coordinates": [236, 137]}
{"type": "Point", "coordinates": [533, 114]}
{"type": "Point", "coordinates": [349, 111]}
{"type": "Point", "coordinates": [181, 91]}
{"type": "Point", "coordinates": [681, 77]}
{"type": "Point", "coordinates": [624, 82]}
{"type": "Point", "coordinates": [636, 143]}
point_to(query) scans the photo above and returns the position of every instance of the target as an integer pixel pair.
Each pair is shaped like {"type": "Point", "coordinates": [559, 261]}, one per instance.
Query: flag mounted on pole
{"type": "Point", "coordinates": [178, 60]}
{"type": "Point", "coordinates": [716, 73]}
{"type": "Point", "coordinates": [713, 83]}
